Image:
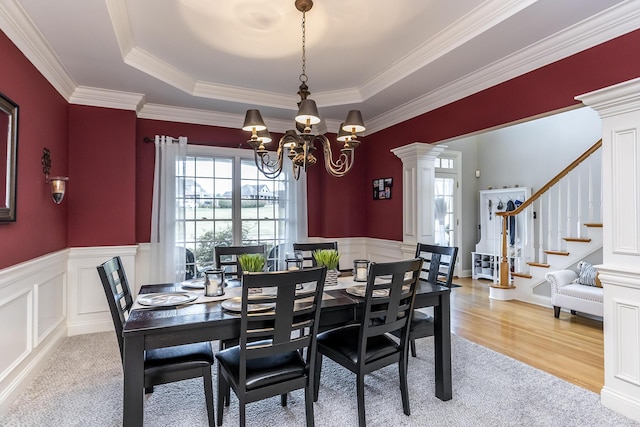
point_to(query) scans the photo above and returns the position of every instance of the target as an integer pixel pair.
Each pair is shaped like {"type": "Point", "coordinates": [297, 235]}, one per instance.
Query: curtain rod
{"type": "Point", "coordinates": [147, 140]}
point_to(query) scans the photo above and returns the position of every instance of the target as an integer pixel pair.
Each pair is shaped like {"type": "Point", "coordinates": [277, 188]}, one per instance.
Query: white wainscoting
{"type": "Point", "coordinates": [51, 297]}
{"type": "Point", "coordinates": [33, 309]}
{"type": "Point", "coordinates": [88, 309]}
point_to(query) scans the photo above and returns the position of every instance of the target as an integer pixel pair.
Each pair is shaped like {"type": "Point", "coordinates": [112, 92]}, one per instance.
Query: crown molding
{"type": "Point", "coordinates": [120, 22]}
{"type": "Point", "coordinates": [19, 27]}
{"type": "Point", "coordinates": [479, 20]}
{"type": "Point", "coordinates": [603, 27]}
{"type": "Point", "coordinates": [247, 96]}
{"type": "Point", "coordinates": [213, 118]}
{"type": "Point", "coordinates": [16, 24]}
{"type": "Point", "coordinates": [190, 115]}
{"type": "Point", "coordinates": [97, 97]}
{"type": "Point", "coordinates": [149, 64]}
{"type": "Point", "coordinates": [203, 117]}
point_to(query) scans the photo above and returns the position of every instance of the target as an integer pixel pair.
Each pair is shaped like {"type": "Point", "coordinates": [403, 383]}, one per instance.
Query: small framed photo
{"type": "Point", "coordinates": [382, 188]}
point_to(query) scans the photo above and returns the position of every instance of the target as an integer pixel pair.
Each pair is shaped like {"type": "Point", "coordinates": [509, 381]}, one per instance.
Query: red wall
{"type": "Point", "coordinates": [102, 170]}
{"type": "Point", "coordinates": [111, 168]}
{"type": "Point", "coordinates": [546, 89]}
{"type": "Point", "coordinates": [336, 206]}
{"type": "Point", "coordinates": [41, 225]}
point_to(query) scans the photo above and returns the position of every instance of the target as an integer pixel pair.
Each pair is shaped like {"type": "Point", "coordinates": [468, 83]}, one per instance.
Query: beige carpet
{"type": "Point", "coordinates": [82, 386]}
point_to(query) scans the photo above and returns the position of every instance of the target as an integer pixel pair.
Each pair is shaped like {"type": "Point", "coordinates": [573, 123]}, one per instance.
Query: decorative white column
{"type": "Point", "coordinates": [418, 177]}
{"type": "Point", "coordinates": [619, 108]}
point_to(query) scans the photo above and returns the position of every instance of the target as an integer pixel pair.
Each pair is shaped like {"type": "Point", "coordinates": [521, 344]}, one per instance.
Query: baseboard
{"type": "Point", "coordinates": [90, 327]}
{"type": "Point", "coordinates": [620, 403]}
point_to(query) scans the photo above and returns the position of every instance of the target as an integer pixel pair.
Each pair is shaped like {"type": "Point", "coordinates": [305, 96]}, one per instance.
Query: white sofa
{"type": "Point", "coordinates": [573, 296]}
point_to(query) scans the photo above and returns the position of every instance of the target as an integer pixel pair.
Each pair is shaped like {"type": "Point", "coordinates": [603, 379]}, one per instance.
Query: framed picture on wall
{"type": "Point", "coordinates": [382, 188]}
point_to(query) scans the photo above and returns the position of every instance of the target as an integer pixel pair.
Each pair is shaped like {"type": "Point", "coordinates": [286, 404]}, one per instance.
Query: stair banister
{"type": "Point", "coordinates": [504, 260]}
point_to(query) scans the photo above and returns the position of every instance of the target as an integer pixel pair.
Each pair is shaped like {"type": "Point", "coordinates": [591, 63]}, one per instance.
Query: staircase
{"type": "Point", "coordinates": [567, 228]}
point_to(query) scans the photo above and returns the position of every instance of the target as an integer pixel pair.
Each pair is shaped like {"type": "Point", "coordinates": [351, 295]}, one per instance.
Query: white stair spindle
{"type": "Point", "coordinates": [591, 217]}
{"type": "Point", "coordinates": [549, 224]}
{"type": "Point", "coordinates": [559, 223]}
{"type": "Point", "coordinates": [569, 207]}
{"type": "Point", "coordinates": [579, 205]}
{"type": "Point", "coordinates": [540, 234]}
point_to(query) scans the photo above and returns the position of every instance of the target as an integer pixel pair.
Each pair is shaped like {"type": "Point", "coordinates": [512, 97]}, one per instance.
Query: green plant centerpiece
{"type": "Point", "coordinates": [330, 259]}
{"type": "Point", "coordinates": [251, 262]}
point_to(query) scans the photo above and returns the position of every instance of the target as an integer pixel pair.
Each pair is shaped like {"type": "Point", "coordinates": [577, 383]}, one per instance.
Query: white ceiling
{"type": "Point", "coordinates": [207, 61]}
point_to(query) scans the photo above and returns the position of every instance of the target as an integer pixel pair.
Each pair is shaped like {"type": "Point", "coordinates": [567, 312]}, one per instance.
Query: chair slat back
{"type": "Point", "coordinates": [293, 322]}
{"type": "Point", "coordinates": [439, 263]}
{"type": "Point", "coordinates": [227, 258]}
{"type": "Point", "coordinates": [307, 251]}
{"type": "Point", "coordinates": [191, 272]}
{"type": "Point", "coordinates": [116, 288]}
{"type": "Point", "coordinates": [383, 314]}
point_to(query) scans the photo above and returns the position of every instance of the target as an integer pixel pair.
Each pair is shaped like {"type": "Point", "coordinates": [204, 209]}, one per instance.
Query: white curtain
{"type": "Point", "coordinates": [295, 230]}
{"type": "Point", "coordinates": [167, 216]}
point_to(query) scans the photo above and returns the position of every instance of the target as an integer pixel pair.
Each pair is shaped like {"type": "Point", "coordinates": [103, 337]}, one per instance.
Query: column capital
{"type": "Point", "coordinates": [614, 100]}
{"type": "Point", "coordinates": [418, 151]}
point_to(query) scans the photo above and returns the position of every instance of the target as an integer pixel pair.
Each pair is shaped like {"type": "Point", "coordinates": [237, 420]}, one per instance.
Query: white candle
{"type": "Point", "coordinates": [361, 273]}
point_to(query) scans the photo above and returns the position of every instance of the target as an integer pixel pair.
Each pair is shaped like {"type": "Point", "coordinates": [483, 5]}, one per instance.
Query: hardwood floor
{"type": "Point", "coordinates": [571, 347]}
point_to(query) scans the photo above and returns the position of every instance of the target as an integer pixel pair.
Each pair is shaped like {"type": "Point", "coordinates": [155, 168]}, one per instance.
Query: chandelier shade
{"type": "Point", "coordinates": [264, 136]}
{"type": "Point", "coordinates": [308, 113]}
{"type": "Point", "coordinates": [299, 145]}
{"type": "Point", "coordinates": [354, 122]}
{"type": "Point", "coordinates": [253, 121]}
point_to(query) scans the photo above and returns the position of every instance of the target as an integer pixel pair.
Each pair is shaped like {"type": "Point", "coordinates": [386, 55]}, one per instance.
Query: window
{"type": "Point", "coordinates": [444, 163]}
{"type": "Point", "coordinates": [225, 200]}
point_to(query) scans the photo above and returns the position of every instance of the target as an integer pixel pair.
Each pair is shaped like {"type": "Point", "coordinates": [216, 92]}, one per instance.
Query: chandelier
{"type": "Point", "coordinates": [299, 144]}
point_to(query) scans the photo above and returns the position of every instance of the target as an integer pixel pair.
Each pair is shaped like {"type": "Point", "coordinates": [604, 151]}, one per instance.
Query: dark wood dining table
{"type": "Point", "coordinates": [169, 326]}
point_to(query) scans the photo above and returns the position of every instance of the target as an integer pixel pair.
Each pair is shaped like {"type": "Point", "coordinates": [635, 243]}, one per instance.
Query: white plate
{"type": "Point", "coordinates": [360, 291]}
{"type": "Point", "coordinates": [235, 304]}
{"type": "Point", "coordinates": [166, 299]}
{"type": "Point", "coordinates": [193, 284]}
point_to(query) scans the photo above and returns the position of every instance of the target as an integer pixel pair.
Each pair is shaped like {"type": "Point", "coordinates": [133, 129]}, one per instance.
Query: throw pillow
{"type": "Point", "coordinates": [588, 274]}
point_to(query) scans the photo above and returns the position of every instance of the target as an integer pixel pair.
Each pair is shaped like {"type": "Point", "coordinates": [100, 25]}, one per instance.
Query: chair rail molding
{"type": "Point", "coordinates": [619, 109]}
{"type": "Point", "coordinates": [418, 177]}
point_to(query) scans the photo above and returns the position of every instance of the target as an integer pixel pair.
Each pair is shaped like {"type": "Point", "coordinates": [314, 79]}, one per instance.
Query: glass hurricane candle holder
{"type": "Point", "coordinates": [214, 283]}
{"type": "Point", "coordinates": [360, 270]}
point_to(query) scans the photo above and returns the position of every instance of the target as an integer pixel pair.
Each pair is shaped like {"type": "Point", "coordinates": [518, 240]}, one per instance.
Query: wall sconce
{"type": "Point", "coordinates": [58, 183]}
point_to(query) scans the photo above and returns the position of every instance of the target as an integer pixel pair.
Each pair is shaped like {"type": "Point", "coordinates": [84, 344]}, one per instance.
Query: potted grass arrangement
{"type": "Point", "coordinates": [330, 259]}
{"type": "Point", "coordinates": [251, 262]}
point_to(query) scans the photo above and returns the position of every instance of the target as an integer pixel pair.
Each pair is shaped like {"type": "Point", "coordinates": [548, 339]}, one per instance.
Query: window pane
{"type": "Point", "coordinates": [206, 200]}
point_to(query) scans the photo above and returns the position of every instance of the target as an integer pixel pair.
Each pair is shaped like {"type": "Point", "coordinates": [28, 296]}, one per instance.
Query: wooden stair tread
{"type": "Point", "coordinates": [538, 264]}
{"type": "Point", "coordinates": [576, 239]}
{"type": "Point", "coordinates": [557, 253]}
{"type": "Point", "coordinates": [593, 224]}
{"type": "Point", "coordinates": [525, 275]}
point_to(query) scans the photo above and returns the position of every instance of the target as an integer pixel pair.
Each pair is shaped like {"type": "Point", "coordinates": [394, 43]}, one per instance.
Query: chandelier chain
{"type": "Point", "coordinates": [303, 76]}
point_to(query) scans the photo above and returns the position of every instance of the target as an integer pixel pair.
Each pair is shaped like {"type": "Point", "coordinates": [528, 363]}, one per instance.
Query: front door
{"type": "Point", "coordinates": [447, 203]}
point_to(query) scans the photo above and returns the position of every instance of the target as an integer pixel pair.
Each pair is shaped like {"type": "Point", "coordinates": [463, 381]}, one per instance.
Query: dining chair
{"type": "Point", "coordinates": [227, 258]}
{"type": "Point", "coordinates": [161, 365]}
{"type": "Point", "coordinates": [438, 266]}
{"type": "Point", "coordinates": [367, 346]}
{"type": "Point", "coordinates": [307, 251]}
{"type": "Point", "coordinates": [270, 359]}
{"type": "Point", "coordinates": [276, 257]}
